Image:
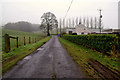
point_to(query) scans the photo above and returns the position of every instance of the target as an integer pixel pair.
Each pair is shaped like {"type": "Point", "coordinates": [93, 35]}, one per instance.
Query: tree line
{"type": "Point", "coordinates": [89, 22]}
{"type": "Point", "coordinates": [22, 26]}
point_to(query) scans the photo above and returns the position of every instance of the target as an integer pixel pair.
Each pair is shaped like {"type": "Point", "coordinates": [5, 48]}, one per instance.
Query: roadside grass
{"type": "Point", "coordinates": [82, 55]}
{"type": "Point", "coordinates": [11, 58]}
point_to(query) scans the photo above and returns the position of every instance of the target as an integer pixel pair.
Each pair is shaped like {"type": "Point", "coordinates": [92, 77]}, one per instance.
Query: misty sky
{"type": "Point", "coordinates": [32, 10]}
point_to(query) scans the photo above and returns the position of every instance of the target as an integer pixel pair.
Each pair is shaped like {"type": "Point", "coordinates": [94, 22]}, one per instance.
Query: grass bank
{"type": "Point", "coordinates": [82, 55]}
{"type": "Point", "coordinates": [11, 58]}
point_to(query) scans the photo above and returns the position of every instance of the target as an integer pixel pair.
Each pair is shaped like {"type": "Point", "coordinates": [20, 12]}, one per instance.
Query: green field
{"type": "Point", "coordinates": [20, 36]}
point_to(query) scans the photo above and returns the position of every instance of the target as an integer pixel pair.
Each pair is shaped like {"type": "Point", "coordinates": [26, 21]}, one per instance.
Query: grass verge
{"type": "Point", "coordinates": [82, 55]}
{"type": "Point", "coordinates": [11, 58]}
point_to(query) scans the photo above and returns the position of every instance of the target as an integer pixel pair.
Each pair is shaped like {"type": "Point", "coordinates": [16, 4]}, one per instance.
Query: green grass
{"type": "Point", "coordinates": [20, 35]}
{"type": "Point", "coordinates": [82, 55]}
{"type": "Point", "coordinates": [11, 58]}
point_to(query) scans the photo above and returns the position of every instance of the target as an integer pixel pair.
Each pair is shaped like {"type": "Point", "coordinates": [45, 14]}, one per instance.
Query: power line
{"type": "Point", "coordinates": [68, 9]}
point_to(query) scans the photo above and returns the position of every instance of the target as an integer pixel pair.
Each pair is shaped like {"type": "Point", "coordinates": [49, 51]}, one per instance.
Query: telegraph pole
{"type": "Point", "coordinates": [100, 20]}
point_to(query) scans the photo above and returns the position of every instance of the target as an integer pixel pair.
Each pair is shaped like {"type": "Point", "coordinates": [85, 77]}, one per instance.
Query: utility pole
{"type": "Point", "coordinates": [100, 20]}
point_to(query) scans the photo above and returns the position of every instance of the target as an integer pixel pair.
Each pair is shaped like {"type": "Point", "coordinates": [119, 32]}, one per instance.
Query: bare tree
{"type": "Point", "coordinates": [87, 22]}
{"type": "Point", "coordinates": [60, 23]}
{"type": "Point", "coordinates": [69, 22]}
{"type": "Point", "coordinates": [56, 25]}
{"type": "Point", "coordinates": [95, 22]}
{"type": "Point", "coordinates": [73, 23]}
{"type": "Point", "coordinates": [80, 21]}
{"type": "Point", "coordinates": [49, 19]}
{"type": "Point", "coordinates": [84, 21]}
{"type": "Point", "coordinates": [76, 21]}
{"type": "Point", "coordinates": [91, 23]}
{"type": "Point", "coordinates": [63, 25]}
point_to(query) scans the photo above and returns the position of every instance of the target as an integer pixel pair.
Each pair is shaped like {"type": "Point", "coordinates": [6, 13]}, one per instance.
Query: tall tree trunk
{"type": "Point", "coordinates": [48, 34]}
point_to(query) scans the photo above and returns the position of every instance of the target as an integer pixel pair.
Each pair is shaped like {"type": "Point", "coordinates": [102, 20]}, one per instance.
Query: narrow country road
{"type": "Point", "coordinates": [51, 60]}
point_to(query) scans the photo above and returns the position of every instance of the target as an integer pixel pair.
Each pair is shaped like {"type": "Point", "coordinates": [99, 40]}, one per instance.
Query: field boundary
{"type": "Point", "coordinates": [7, 41]}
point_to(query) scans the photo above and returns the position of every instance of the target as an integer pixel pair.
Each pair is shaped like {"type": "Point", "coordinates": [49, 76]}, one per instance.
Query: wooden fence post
{"type": "Point", "coordinates": [24, 41]}
{"type": "Point", "coordinates": [17, 41]}
{"type": "Point", "coordinates": [29, 40]}
{"type": "Point", "coordinates": [7, 43]}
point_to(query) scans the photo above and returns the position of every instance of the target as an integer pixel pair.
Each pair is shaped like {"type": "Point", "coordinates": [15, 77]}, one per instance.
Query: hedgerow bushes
{"type": "Point", "coordinates": [100, 42]}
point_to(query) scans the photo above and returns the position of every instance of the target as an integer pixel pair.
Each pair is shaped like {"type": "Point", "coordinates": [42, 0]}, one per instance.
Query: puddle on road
{"type": "Point", "coordinates": [40, 49]}
{"type": "Point", "coordinates": [27, 58]}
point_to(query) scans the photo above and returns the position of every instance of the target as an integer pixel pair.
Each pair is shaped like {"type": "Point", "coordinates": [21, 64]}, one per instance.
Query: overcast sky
{"type": "Point", "coordinates": [32, 10]}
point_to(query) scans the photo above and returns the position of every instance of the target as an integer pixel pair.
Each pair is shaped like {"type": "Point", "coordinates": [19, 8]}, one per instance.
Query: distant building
{"type": "Point", "coordinates": [80, 29]}
{"type": "Point", "coordinates": [119, 15]}
{"type": "Point", "coordinates": [70, 30]}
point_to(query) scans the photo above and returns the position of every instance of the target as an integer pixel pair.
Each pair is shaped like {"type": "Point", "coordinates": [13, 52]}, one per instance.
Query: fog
{"type": "Point", "coordinates": [32, 10]}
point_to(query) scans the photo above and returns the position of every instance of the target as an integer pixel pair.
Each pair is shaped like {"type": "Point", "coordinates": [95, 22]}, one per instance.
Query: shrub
{"type": "Point", "coordinates": [100, 42]}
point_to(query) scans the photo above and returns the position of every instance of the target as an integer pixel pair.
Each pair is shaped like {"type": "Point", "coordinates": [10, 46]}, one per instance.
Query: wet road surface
{"type": "Point", "coordinates": [50, 60]}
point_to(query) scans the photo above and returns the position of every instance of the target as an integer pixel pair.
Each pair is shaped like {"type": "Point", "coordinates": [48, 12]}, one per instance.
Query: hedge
{"type": "Point", "coordinates": [100, 42]}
